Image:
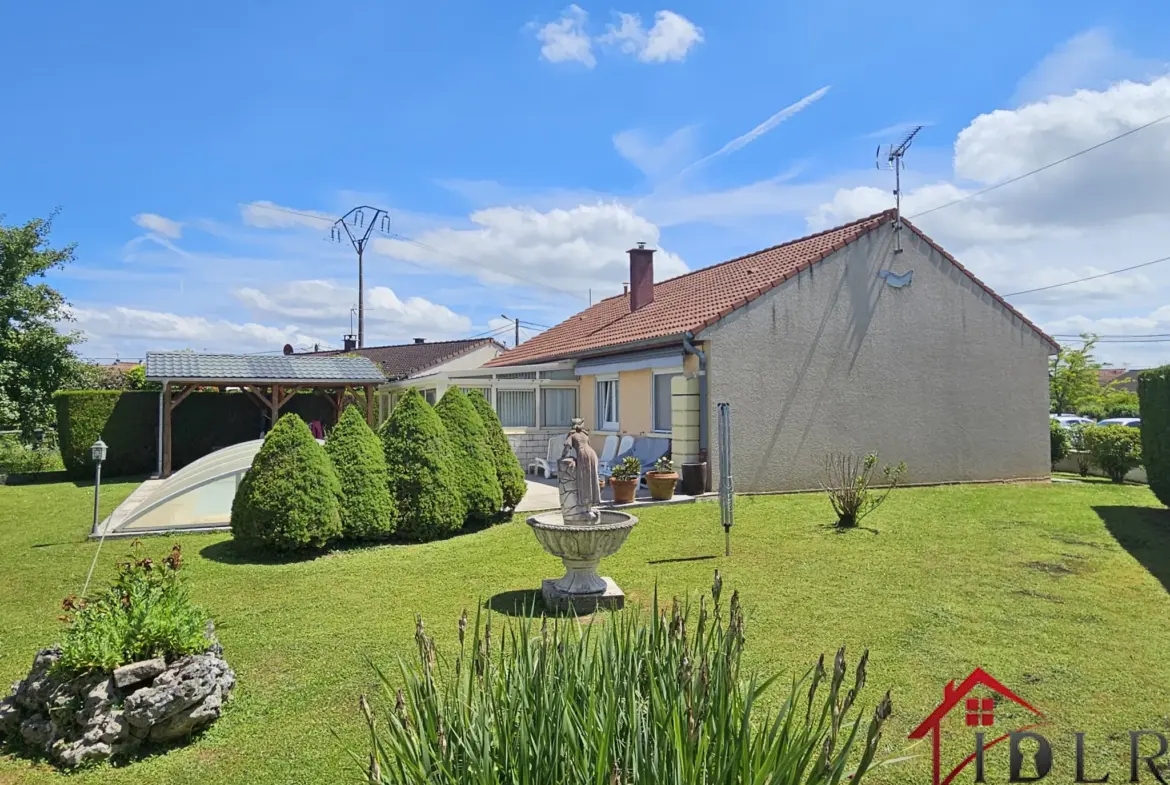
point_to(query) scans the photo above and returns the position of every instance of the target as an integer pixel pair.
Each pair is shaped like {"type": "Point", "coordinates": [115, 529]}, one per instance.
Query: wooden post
{"type": "Point", "coordinates": [370, 405]}
{"type": "Point", "coordinates": [275, 403]}
{"type": "Point", "coordinates": [166, 426]}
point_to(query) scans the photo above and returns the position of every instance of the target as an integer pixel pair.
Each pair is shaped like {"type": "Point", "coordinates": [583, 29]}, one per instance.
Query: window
{"type": "Point", "coordinates": [558, 407]}
{"type": "Point", "coordinates": [662, 400]}
{"type": "Point", "coordinates": [429, 396]}
{"type": "Point", "coordinates": [516, 408]}
{"type": "Point", "coordinates": [607, 404]}
{"type": "Point", "coordinates": [980, 711]}
{"type": "Point", "coordinates": [484, 391]}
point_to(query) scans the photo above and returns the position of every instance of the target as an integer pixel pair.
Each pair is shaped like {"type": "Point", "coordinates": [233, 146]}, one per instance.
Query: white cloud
{"type": "Point", "coordinates": [327, 303]}
{"type": "Point", "coordinates": [656, 159]}
{"type": "Point", "coordinates": [134, 328]}
{"type": "Point", "coordinates": [1089, 60]}
{"type": "Point", "coordinates": [670, 39]}
{"type": "Point", "coordinates": [153, 222]}
{"type": "Point", "coordinates": [566, 39]}
{"type": "Point", "coordinates": [269, 215]}
{"type": "Point", "coordinates": [568, 250]}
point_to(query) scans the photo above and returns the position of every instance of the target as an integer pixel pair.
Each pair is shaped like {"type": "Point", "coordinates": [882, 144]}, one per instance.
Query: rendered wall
{"type": "Point", "coordinates": [936, 373]}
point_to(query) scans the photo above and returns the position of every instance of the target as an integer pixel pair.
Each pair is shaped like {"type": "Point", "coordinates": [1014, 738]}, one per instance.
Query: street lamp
{"type": "Point", "coordinates": [98, 453]}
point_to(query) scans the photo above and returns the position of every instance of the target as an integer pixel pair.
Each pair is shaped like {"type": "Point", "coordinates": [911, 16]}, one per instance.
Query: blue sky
{"type": "Point", "coordinates": [522, 147]}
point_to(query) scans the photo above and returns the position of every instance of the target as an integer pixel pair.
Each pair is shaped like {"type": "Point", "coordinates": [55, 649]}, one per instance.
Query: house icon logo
{"type": "Point", "coordinates": [979, 714]}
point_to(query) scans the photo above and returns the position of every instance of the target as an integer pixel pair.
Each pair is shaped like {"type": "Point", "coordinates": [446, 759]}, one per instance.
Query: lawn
{"type": "Point", "coordinates": [1057, 590]}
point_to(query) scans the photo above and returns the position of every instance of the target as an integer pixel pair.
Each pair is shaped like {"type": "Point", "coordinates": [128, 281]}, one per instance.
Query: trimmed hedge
{"type": "Point", "coordinates": [509, 472]}
{"type": "Point", "coordinates": [420, 469]}
{"type": "Point", "coordinates": [1057, 441]}
{"type": "Point", "coordinates": [127, 421]}
{"type": "Point", "coordinates": [367, 509]}
{"type": "Point", "coordinates": [1114, 449]}
{"type": "Point", "coordinates": [287, 501]}
{"type": "Point", "coordinates": [1154, 393]}
{"type": "Point", "coordinates": [475, 467]}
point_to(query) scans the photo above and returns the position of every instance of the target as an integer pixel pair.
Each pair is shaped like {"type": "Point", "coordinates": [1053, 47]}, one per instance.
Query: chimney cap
{"type": "Point", "coordinates": [420, 340]}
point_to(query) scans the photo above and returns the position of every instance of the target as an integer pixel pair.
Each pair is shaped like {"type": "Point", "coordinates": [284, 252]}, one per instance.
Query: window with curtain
{"type": "Point", "coordinates": [516, 408]}
{"type": "Point", "coordinates": [484, 391]}
{"type": "Point", "coordinates": [662, 401]}
{"type": "Point", "coordinates": [558, 407]}
{"type": "Point", "coordinates": [607, 405]}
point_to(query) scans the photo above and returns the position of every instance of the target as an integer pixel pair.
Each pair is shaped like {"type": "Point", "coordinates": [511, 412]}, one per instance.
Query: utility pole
{"type": "Point", "coordinates": [894, 155]}
{"type": "Point", "coordinates": [516, 322]}
{"type": "Point", "coordinates": [358, 224]}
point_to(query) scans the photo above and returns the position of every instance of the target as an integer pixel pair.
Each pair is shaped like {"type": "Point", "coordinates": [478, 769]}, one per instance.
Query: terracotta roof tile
{"type": "Point", "coordinates": [699, 299]}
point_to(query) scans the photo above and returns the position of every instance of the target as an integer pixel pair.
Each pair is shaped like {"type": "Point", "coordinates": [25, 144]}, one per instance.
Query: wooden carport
{"type": "Point", "coordinates": [270, 382]}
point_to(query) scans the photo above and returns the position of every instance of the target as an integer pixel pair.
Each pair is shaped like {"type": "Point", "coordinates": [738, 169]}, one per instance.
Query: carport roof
{"type": "Point", "coordinates": [260, 369]}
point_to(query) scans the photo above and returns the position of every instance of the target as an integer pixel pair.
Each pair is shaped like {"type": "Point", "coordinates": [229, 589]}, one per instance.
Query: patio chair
{"type": "Point", "coordinates": [624, 448]}
{"type": "Point", "coordinates": [648, 450]}
{"type": "Point", "coordinates": [548, 464]}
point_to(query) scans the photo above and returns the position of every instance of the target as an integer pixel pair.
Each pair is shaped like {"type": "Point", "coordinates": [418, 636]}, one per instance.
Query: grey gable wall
{"type": "Point", "coordinates": [937, 374]}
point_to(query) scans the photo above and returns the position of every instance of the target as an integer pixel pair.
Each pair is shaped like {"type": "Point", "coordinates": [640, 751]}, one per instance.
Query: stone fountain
{"type": "Point", "coordinates": [580, 534]}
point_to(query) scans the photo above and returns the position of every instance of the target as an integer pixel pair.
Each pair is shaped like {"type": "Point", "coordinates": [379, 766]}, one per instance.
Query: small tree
{"type": "Point", "coordinates": [420, 468]}
{"type": "Point", "coordinates": [1057, 441]}
{"type": "Point", "coordinates": [474, 465]}
{"type": "Point", "coordinates": [287, 501]}
{"type": "Point", "coordinates": [1072, 377]}
{"type": "Point", "coordinates": [367, 509]}
{"type": "Point", "coordinates": [849, 482]}
{"type": "Point", "coordinates": [1114, 449]}
{"type": "Point", "coordinates": [509, 472]}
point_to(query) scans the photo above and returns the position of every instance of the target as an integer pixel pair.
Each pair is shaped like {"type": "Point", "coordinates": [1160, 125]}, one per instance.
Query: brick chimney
{"type": "Point", "coordinates": [641, 276]}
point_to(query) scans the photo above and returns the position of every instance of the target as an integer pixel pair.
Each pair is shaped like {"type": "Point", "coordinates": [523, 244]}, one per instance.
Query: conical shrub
{"type": "Point", "coordinates": [287, 501]}
{"type": "Point", "coordinates": [420, 469]}
{"type": "Point", "coordinates": [367, 509]}
{"type": "Point", "coordinates": [509, 472]}
{"type": "Point", "coordinates": [474, 465]}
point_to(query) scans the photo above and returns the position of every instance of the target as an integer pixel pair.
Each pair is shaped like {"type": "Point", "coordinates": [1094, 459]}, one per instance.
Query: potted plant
{"type": "Point", "coordinates": [662, 479]}
{"type": "Point", "coordinates": [624, 479]}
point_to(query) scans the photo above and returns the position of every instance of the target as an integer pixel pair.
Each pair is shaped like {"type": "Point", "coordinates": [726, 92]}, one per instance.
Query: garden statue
{"type": "Point", "coordinates": [579, 533]}
{"type": "Point", "coordinates": [580, 491]}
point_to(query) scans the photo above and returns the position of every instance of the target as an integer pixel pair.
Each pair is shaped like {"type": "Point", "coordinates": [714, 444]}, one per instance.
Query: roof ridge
{"type": "Point", "coordinates": [424, 343]}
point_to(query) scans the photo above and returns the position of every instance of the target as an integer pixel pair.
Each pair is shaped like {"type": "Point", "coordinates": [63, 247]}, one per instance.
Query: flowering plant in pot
{"type": "Point", "coordinates": [662, 479]}
{"type": "Point", "coordinates": [624, 479]}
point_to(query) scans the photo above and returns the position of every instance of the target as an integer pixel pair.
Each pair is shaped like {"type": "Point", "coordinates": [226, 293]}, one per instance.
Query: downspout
{"type": "Point", "coordinates": [690, 348]}
{"type": "Point", "coordinates": [160, 425]}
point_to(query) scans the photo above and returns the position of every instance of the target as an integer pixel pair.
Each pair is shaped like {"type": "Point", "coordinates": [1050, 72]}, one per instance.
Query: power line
{"type": "Point", "coordinates": [1088, 278]}
{"type": "Point", "coordinates": [1094, 335]}
{"type": "Point", "coordinates": [534, 324]}
{"type": "Point", "coordinates": [1042, 168]}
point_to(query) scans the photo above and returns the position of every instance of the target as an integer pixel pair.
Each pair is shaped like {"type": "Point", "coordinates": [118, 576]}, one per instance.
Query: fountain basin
{"type": "Point", "coordinates": [581, 547]}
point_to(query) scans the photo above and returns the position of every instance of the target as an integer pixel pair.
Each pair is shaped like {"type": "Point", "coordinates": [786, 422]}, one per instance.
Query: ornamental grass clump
{"type": "Point", "coordinates": [635, 700]}
{"type": "Point", "coordinates": [145, 612]}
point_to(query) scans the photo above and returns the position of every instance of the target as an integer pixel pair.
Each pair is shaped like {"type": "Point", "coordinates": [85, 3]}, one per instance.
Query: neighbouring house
{"type": "Point", "coordinates": [1120, 378]}
{"type": "Point", "coordinates": [865, 337]}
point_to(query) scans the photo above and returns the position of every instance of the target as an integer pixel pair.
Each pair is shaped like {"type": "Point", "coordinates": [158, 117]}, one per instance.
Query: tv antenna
{"type": "Point", "coordinates": [357, 225]}
{"type": "Point", "coordinates": [894, 155]}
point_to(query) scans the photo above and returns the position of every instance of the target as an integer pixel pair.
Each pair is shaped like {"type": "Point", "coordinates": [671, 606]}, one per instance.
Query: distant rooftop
{"type": "Point", "coordinates": [400, 361]}
{"type": "Point", "coordinates": [260, 369]}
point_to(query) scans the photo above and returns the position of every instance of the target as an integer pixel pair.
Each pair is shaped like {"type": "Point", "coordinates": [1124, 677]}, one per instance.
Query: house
{"type": "Point", "coordinates": [422, 364]}
{"type": "Point", "coordinates": [865, 337]}
{"type": "Point", "coordinates": [1120, 378]}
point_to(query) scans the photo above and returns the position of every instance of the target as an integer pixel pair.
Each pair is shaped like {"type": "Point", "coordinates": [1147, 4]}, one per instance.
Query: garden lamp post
{"type": "Point", "coordinates": [98, 453]}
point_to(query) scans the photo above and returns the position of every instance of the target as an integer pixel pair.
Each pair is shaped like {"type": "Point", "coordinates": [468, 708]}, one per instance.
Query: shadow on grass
{"type": "Point", "coordinates": [1145, 533]}
{"type": "Point", "coordinates": [517, 602]}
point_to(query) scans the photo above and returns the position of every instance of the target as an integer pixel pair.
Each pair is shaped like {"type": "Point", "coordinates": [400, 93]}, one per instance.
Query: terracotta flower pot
{"type": "Point", "coordinates": [623, 490]}
{"type": "Point", "coordinates": [661, 485]}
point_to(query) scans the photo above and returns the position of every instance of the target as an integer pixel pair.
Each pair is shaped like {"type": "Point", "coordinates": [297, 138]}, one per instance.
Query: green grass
{"type": "Point", "coordinates": [1045, 586]}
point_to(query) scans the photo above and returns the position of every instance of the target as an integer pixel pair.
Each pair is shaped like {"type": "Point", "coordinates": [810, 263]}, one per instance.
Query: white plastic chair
{"type": "Point", "coordinates": [625, 447]}
{"type": "Point", "coordinates": [548, 464]}
{"type": "Point", "coordinates": [608, 450]}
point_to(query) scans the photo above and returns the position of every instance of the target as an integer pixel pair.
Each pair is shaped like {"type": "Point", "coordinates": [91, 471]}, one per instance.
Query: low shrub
{"type": "Point", "coordinates": [628, 468]}
{"type": "Point", "coordinates": [1121, 403]}
{"type": "Point", "coordinates": [509, 472]}
{"type": "Point", "coordinates": [1077, 446]}
{"type": "Point", "coordinates": [638, 700]}
{"type": "Point", "coordinates": [1058, 443]}
{"type": "Point", "coordinates": [1154, 391]}
{"type": "Point", "coordinates": [367, 509]}
{"type": "Point", "coordinates": [420, 469]}
{"type": "Point", "coordinates": [16, 458]}
{"type": "Point", "coordinates": [287, 501]}
{"type": "Point", "coordinates": [475, 468]}
{"type": "Point", "coordinates": [849, 481]}
{"type": "Point", "coordinates": [1094, 411]}
{"type": "Point", "coordinates": [145, 612]}
{"type": "Point", "coordinates": [1114, 449]}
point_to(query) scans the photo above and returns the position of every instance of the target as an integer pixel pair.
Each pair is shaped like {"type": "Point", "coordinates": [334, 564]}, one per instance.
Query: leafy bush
{"type": "Point", "coordinates": [287, 501]}
{"type": "Point", "coordinates": [1114, 449]}
{"type": "Point", "coordinates": [146, 612]}
{"type": "Point", "coordinates": [1154, 391]}
{"type": "Point", "coordinates": [628, 468]}
{"type": "Point", "coordinates": [475, 469]}
{"type": "Point", "coordinates": [849, 482]}
{"type": "Point", "coordinates": [420, 467]}
{"type": "Point", "coordinates": [1076, 441]}
{"type": "Point", "coordinates": [1117, 402]}
{"type": "Point", "coordinates": [1092, 410]}
{"type": "Point", "coordinates": [125, 421]}
{"type": "Point", "coordinates": [1057, 441]}
{"type": "Point", "coordinates": [664, 465]}
{"type": "Point", "coordinates": [367, 510]}
{"type": "Point", "coordinates": [639, 700]}
{"type": "Point", "coordinates": [509, 472]}
{"type": "Point", "coordinates": [15, 458]}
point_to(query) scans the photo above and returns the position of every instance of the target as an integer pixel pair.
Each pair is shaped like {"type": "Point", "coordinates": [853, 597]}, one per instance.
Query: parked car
{"type": "Point", "coordinates": [1129, 422]}
{"type": "Point", "coordinates": [1069, 420]}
